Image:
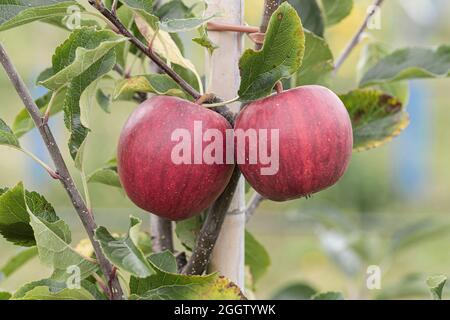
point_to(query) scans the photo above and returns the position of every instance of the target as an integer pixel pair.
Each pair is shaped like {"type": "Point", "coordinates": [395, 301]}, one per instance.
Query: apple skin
{"type": "Point", "coordinates": [147, 173]}
{"type": "Point", "coordinates": [315, 141]}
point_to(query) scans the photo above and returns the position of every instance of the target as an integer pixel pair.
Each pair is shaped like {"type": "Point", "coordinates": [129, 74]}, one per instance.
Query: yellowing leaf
{"type": "Point", "coordinates": [376, 117]}
{"type": "Point", "coordinates": [153, 83]}
{"type": "Point", "coordinates": [163, 44]}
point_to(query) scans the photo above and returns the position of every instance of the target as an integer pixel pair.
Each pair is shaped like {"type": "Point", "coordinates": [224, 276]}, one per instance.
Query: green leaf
{"type": "Point", "coordinates": [53, 242]}
{"type": "Point", "coordinates": [205, 41]}
{"type": "Point", "coordinates": [371, 54]}
{"type": "Point", "coordinates": [79, 159]}
{"type": "Point", "coordinates": [92, 287]}
{"type": "Point", "coordinates": [165, 261]}
{"type": "Point", "coordinates": [124, 253]}
{"type": "Point", "coordinates": [5, 295]}
{"type": "Point", "coordinates": [175, 9]}
{"type": "Point", "coordinates": [44, 75]}
{"type": "Point", "coordinates": [26, 219]}
{"type": "Point", "coordinates": [280, 56]}
{"type": "Point", "coordinates": [410, 63]}
{"type": "Point", "coordinates": [144, 242]}
{"type": "Point", "coordinates": [164, 285]}
{"type": "Point", "coordinates": [53, 285]}
{"type": "Point", "coordinates": [67, 22]}
{"type": "Point", "coordinates": [83, 49]}
{"type": "Point", "coordinates": [107, 175]}
{"type": "Point", "coordinates": [412, 234]}
{"type": "Point", "coordinates": [170, 286]}
{"type": "Point", "coordinates": [189, 76]}
{"type": "Point", "coordinates": [183, 25]}
{"type": "Point", "coordinates": [17, 261]}
{"type": "Point", "coordinates": [14, 218]}
{"type": "Point", "coordinates": [83, 58]}
{"type": "Point", "coordinates": [160, 84]}
{"type": "Point", "coordinates": [72, 107]}
{"type": "Point", "coordinates": [410, 286]}
{"type": "Point", "coordinates": [126, 16]}
{"type": "Point", "coordinates": [145, 5]}
{"type": "Point", "coordinates": [23, 122]}
{"type": "Point", "coordinates": [297, 291]}
{"type": "Point", "coordinates": [164, 45]}
{"type": "Point", "coordinates": [7, 136]}
{"type": "Point", "coordinates": [104, 100]}
{"type": "Point", "coordinates": [256, 257]}
{"type": "Point", "coordinates": [317, 62]}
{"type": "Point", "coordinates": [376, 117]}
{"type": "Point", "coordinates": [311, 15]}
{"type": "Point", "coordinates": [330, 295]}
{"type": "Point", "coordinates": [44, 293]}
{"type": "Point", "coordinates": [336, 10]}
{"type": "Point", "coordinates": [20, 12]}
{"type": "Point", "coordinates": [187, 231]}
{"type": "Point", "coordinates": [436, 285]}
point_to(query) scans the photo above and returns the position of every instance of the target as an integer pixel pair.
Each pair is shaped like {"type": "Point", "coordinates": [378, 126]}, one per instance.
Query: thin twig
{"type": "Point", "coordinates": [142, 47]}
{"type": "Point", "coordinates": [357, 37]}
{"type": "Point", "coordinates": [211, 228]}
{"type": "Point", "coordinates": [61, 169]}
{"type": "Point", "coordinates": [254, 203]}
{"type": "Point", "coordinates": [224, 111]}
{"type": "Point", "coordinates": [162, 237]}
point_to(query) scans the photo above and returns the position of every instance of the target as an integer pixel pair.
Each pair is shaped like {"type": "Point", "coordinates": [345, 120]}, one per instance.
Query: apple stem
{"type": "Point", "coordinates": [279, 87]}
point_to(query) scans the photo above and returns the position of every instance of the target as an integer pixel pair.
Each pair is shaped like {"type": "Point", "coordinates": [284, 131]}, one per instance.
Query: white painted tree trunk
{"type": "Point", "coordinates": [223, 79]}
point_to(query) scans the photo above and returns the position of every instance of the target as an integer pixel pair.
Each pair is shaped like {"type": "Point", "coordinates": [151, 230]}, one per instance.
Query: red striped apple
{"type": "Point", "coordinates": [308, 132]}
{"type": "Point", "coordinates": [171, 157]}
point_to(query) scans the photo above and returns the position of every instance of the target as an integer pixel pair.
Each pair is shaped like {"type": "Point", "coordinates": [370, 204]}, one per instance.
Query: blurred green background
{"type": "Point", "coordinates": [392, 208]}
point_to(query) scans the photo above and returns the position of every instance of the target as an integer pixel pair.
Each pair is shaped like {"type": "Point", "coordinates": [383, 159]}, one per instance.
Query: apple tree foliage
{"type": "Point", "coordinates": [85, 73]}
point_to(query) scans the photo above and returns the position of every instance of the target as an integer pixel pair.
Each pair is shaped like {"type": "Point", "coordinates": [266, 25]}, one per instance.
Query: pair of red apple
{"type": "Point", "coordinates": [315, 146]}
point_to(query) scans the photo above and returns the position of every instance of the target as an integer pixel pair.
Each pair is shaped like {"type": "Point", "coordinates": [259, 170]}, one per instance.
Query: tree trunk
{"type": "Point", "coordinates": [223, 79]}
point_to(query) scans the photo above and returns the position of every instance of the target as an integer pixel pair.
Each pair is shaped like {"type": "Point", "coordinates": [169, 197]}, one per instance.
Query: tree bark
{"type": "Point", "coordinates": [161, 231]}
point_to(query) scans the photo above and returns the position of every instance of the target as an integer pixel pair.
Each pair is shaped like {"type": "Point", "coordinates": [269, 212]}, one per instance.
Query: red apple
{"type": "Point", "coordinates": [315, 142]}
{"type": "Point", "coordinates": [151, 178]}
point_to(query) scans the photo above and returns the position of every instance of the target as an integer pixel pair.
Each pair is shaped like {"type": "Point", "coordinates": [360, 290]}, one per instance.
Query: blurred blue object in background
{"type": "Point", "coordinates": [411, 160]}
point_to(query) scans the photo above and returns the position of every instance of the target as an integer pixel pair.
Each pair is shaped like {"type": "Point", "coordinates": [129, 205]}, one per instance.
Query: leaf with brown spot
{"type": "Point", "coordinates": [376, 117]}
